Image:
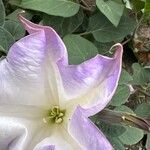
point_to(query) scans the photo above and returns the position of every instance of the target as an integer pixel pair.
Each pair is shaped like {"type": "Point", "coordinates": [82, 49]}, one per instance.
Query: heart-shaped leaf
{"type": "Point", "coordinates": [62, 8]}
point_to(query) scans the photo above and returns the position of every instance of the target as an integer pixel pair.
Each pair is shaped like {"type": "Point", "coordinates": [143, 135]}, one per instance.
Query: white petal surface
{"type": "Point", "coordinates": [60, 139]}
{"type": "Point", "coordinates": [55, 50]}
{"type": "Point", "coordinates": [21, 73]}
{"type": "Point", "coordinates": [17, 133]}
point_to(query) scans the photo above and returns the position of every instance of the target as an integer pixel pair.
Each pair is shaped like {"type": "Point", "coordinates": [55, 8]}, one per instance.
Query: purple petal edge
{"type": "Point", "coordinates": [86, 133]}
{"type": "Point", "coordinates": [52, 38]}
{"type": "Point", "coordinates": [112, 83]}
{"type": "Point", "coordinates": [48, 147]}
{"type": "Point", "coordinates": [99, 72]}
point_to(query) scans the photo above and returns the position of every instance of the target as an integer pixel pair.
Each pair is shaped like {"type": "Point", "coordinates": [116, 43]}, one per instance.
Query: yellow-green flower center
{"type": "Point", "coordinates": [55, 115]}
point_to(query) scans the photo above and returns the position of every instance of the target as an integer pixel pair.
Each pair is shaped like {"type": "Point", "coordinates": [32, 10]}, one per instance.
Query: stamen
{"type": "Point", "coordinates": [55, 115]}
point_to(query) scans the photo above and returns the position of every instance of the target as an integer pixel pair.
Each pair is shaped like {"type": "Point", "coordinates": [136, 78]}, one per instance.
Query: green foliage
{"type": "Point", "coordinates": [117, 144]}
{"type": "Point", "coordinates": [125, 77]}
{"type": "Point", "coordinates": [15, 29]}
{"type": "Point", "coordinates": [113, 10]}
{"type": "Point", "coordinates": [143, 110]}
{"type": "Point", "coordinates": [121, 96]}
{"type": "Point", "coordinates": [119, 134]}
{"type": "Point", "coordinates": [131, 136]}
{"type": "Point", "coordinates": [6, 40]}
{"type": "Point", "coordinates": [63, 8]}
{"type": "Point", "coordinates": [88, 28]}
{"type": "Point", "coordinates": [138, 5]}
{"type": "Point", "coordinates": [103, 47]}
{"type": "Point", "coordinates": [147, 7]}
{"type": "Point", "coordinates": [103, 31]}
{"type": "Point", "coordinates": [14, 15]}
{"type": "Point", "coordinates": [141, 75]}
{"type": "Point", "coordinates": [62, 25]}
{"type": "Point", "coordinates": [15, 2]}
{"type": "Point", "coordinates": [79, 49]}
{"type": "Point", "coordinates": [2, 13]}
{"type": "Point", "coordinates": [114, 130]}
{"type": "Point", "coordinates": [124, 108]}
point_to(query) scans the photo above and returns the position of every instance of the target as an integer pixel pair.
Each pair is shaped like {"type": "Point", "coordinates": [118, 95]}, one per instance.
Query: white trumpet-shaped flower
{"type": "Point", "coordinates": [45, 102]}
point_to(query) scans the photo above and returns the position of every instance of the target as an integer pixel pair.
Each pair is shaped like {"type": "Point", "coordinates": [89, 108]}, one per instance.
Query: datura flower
{"type": "Point", "coordinates": [45, 102]}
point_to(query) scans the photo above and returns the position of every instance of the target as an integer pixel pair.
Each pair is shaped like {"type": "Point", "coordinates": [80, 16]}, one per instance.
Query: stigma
{"type": "Point", "coordinates": [55, 115]}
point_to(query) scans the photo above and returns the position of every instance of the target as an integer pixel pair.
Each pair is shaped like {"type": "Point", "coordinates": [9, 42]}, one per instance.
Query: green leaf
{"type": "Point", "coordinates": [62, 25]}
{"type": "Point", "coordinates": [125, 77]}
{"type": "Point", "coordinates": [124, 108]}
{"type": "Point", "coordinates": [2, 13]}
{"type": "Point", "coordinates": [131, 136]}
{"type": "Point", "coordinates": [15, 29]}
{"type": "Point", "coordinates": [79, 49]}
{"type": "Point", "coordinates": [103, 31]}
{"type": "Point", "coordinates": [14, 15]}
{"type": "Point", "coordinates": [15, 2]}
{"type": "Point", "coordinates": [117, 144]}
{"type": "Point", "coordinates": [147, 7]}
{"type": "Point", "coordinates": [141, 75]}
{"type": "Point", "coordinates": [138, 5]}
{"type": "Point", "coordinates": [143, 110]}
{"type": "Point", "coordinates": [2, 49]}
{"type": "Point", "coordinates": [103, 48]}
{"type": "Point", "coordinates": [111, 130]}
{"type": "Point", "coordinates": [111, 9]}
{"type": "Point", "coordinates": [6, 39]}
{"type": "Point", "coordinates": [62, 8]}
{"type": "Point", "coordinates": [121, 96]}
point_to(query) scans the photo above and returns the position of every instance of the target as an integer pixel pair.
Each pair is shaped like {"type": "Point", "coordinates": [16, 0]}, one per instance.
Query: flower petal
{"type": "Point", "coordinates": [92, 83]}
{"type": "Point", "coordinates": [55, 50]}
{"type": "Point", "coordinates": [86, 133]}
{"type": "Point", "coordinates": [60, 139]}
{"type": "Point", "coordinates": [17, 133]}
{"type": "Point", "coordinates": [55, 45]}
{"type": "Point", "coordinates": [47, 147]}
{"type": "Point", "coordinates": [21, 74]}
{"type": "Point", "coordinates": [9, 131]}
{"type": "Point", "coordinates": [28, 73]}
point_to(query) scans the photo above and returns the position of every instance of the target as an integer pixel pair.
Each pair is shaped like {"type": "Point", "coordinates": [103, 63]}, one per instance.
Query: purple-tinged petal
{"type": "Point", "coordinates": [109, 84]}
{"type": "Point", "coordinates": [55, 45]}
{"type": "Point", "coordinates": [86, 133]}
{"type": "Point", "coordinates": [47, 147]}
{"type": "Point", "coordinates": [92, 83]}
{"type": "Point", "coordinates": [28, 73]}
{"type": "Point", "coordinates": [55, 50]}
{"type": "Point", "coordinates": [21, 72]}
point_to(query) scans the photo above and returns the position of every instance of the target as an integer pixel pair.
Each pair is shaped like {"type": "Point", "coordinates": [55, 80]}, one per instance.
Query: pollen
{"type": "Point", "coordinates": [55, 115]}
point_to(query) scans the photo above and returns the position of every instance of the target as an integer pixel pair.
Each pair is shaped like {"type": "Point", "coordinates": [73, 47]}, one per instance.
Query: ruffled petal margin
{"type": "Point", "coordinates": [92, 83]}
